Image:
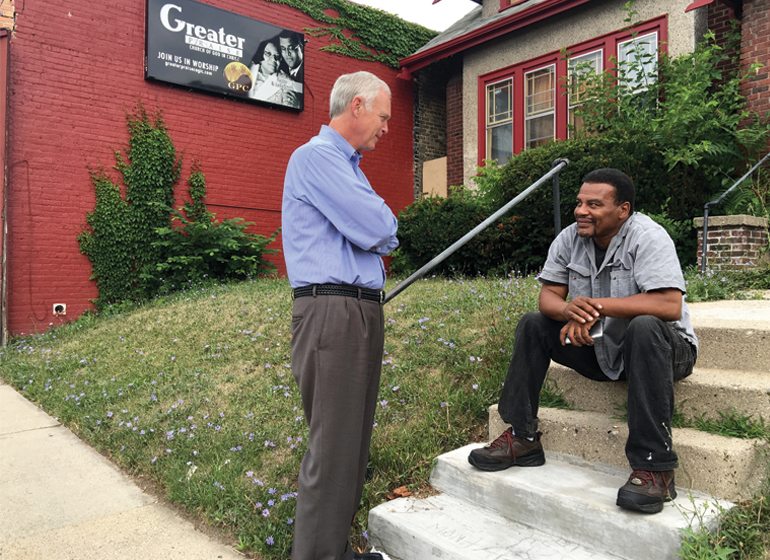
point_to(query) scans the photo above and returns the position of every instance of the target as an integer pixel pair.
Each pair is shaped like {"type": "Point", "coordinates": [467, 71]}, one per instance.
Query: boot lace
{"type": "Point", "coordinates": [503, 440]}
{"type": "Point", "coordinates": [640, 478]}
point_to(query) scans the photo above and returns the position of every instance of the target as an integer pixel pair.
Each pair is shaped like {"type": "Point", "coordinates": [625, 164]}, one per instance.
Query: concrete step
{"type": "Point", "coordinates": [706, 393]}
{"type": "Point", "coordinates": [733, 334]}
{"type": "Point", "coordinates": [729, 468]}
{"type": "Point", "coordinates": [447, 528]}
{"type": "Point", "coordinates": [506, 515]}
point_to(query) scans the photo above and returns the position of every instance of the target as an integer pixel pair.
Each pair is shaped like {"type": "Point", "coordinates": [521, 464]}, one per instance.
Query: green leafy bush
{"type": "Point", "coordinates": [199, 249]}
{"type": "Point", "coordinates": [432, 224]}
{"type": "Point", "coordinates": [139, 246]}
{"type": "Point", "coordinates": [118, 239]}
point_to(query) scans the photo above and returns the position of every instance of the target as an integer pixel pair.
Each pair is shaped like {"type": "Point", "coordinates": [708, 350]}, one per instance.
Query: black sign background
{"type": "Point", "coordinates": [199, 42]}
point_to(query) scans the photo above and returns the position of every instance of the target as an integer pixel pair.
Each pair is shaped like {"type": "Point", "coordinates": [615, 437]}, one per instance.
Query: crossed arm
{"type": "Point", "coordinates": [582, 312]}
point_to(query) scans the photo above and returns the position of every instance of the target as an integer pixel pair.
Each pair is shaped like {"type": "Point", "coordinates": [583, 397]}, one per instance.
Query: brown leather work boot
{"type": "Point", "coordinates": [508, 451]}
{"type": "Point", "coordinates": [646, 491]}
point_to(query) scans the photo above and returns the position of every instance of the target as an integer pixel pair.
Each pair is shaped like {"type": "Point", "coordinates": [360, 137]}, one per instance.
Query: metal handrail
{"type": "Point", "coordinates": [720, 198]}
{"type": "Point", "coordinates": [558, 165]}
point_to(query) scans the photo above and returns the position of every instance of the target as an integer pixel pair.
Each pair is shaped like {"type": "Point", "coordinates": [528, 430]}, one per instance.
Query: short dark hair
{"type": "Point", "coordinates": [624, 186]}
{"type": "Point", "coordinates": [293, 36]}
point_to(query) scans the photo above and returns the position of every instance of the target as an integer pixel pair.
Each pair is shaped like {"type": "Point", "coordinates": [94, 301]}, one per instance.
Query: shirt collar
{"type": "Point", "coordinates": [331, 135]}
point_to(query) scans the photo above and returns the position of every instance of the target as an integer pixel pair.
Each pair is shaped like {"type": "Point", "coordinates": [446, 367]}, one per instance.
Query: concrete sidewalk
{"type": "Point", "coordinates": [61, 500]}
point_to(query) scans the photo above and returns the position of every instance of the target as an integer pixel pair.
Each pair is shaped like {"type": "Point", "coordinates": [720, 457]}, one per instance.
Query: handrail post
{"type": "Point", "coordinates": [556, 201]}
{"type": "Point", "coordinates": [705, 240]}
{"type": "Point", "coordinates": [438, 259]}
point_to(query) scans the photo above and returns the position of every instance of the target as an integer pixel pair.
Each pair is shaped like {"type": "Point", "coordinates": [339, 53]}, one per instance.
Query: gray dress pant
{"type": "Point", "coordinates": [337, 345]}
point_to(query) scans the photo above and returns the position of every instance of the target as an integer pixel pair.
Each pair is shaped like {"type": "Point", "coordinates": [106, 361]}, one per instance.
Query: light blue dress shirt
{"type": "Point", "coordinates": [335, 228]}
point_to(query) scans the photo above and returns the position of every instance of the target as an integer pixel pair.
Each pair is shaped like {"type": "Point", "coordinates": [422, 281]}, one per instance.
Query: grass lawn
{"type": "Point", "coordinates": [194, 394]}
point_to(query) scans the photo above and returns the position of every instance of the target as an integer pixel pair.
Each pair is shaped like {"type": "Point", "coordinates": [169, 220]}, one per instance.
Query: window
{"type": "Point", "coordinates": [638, 62]}
{"type": "Point", "coordinates": [540, 102]}
{"type": "Point", "coordinates": [579, 68]}
{"type": "Point", "coordinates": [532, 102]}
{"type": "Point", "coordinates": [499, 121]}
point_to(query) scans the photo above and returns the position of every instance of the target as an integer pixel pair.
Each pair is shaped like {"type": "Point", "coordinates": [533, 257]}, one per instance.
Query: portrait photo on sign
{"type": "Point", "coordinates": [277, 70]}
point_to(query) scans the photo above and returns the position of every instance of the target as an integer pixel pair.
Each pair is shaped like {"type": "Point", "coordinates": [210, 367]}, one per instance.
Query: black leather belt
{"type": "Point", "coordinates": [340, 290]}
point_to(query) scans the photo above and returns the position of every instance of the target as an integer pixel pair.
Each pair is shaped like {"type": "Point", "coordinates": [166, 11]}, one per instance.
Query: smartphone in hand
{"type": "Point", "coordinates": [596, 331]}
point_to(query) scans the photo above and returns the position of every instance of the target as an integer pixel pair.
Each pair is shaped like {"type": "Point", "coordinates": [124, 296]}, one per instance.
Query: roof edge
{"type": "Point", "coordinates": [488, 32]}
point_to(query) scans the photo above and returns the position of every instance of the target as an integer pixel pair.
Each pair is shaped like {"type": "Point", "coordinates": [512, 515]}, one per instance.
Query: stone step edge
{"type": "Point", "coordinates": [706, 393]}
{"type": "Point", "coordinates": [449, 528]}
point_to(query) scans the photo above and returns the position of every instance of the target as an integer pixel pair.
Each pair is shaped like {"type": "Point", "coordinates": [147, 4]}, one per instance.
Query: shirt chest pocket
{"type": "Point", "coordinates": [579, 280]}
{"type": "Point", "coordinates": [622, 281]}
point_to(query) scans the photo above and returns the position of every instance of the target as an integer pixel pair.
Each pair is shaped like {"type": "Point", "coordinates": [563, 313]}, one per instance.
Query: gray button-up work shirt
{"type": "Point", "coordinates": [640, 258]}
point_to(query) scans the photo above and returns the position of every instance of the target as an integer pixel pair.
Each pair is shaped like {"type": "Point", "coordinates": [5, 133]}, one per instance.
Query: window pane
{"type": "Point", "coordinates": [539, 130]}
{"type": "Point", "coordinates": [540, 98]}
{"type": "Point", "coordinates": [638, 62]}
{"type": "Point", "coordinates": [580, 68]}
{"type": "Point", "coordinates": [500, 143]}
{"type": "Point", "coordinates": [540, 90]}
{"type": "Point", "coordinates": [499, 102]}
{"type": "Point", "coordinates": [499, 121]}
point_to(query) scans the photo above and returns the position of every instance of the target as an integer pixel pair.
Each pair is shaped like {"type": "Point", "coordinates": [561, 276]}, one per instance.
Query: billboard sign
{"type": "Point", "coordinates": [201, 47]}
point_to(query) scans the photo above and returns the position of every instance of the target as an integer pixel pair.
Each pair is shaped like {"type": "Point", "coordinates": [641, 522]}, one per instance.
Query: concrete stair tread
{"type": "Point", "coordinates": [449, 528]}
{"type": "Point", "coordinates": [705, 393]}
{"type": "Point", "coordinates": [568, 499]}
{"type": "Point", "coordinates": [717, 376]}
{"type": "Point", "coordinates": [722, 466]}
{"type": "Point", "coordinates": [731, 314]}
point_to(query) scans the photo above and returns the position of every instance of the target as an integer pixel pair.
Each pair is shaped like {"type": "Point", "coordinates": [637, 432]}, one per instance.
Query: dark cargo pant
{"type": "Point", "coordinates": [654, 356]}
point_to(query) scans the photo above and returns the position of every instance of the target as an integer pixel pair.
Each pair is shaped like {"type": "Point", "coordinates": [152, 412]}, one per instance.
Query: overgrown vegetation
{"type": "Point", "coordinates": [139, 246]}
{"type": "Point", "coordinates": [377, 35]}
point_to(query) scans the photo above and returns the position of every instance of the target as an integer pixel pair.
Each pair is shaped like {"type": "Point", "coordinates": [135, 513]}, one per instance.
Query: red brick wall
{"type": "Point", "coordinates": [454, 133]}
{"type": "Point", "coordinates": [77, 69]}
{"type": "Point", "coordinates": [756, 48]}
{"type": "Point", "coordinates": [722, 20]}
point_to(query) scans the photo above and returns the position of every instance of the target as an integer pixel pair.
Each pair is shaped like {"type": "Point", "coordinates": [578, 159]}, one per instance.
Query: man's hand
{"type": "Point", "coordinates": [553, 303]}
{"type": "Point", "coordinates": [578, 333]}
{"type": "Point", "coordinates": [582, 310]}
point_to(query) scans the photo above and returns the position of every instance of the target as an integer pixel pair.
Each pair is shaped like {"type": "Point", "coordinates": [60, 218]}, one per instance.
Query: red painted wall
{"type": "Point", "coordinates": [77, 70]}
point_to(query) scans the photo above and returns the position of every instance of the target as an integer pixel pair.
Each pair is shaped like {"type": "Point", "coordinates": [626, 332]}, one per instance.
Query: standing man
{"type": "Point", "coordinates": [616, 269]}
{"type": "Point", "coordinates": [335, 231]}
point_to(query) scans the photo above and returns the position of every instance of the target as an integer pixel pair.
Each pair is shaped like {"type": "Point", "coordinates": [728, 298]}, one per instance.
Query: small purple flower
{"type": "Point", "coordinates": [270, 541]}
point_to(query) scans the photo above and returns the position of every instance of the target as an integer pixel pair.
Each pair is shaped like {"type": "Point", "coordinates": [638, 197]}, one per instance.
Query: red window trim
{"type": "Point", "coordinates": [608, 43]}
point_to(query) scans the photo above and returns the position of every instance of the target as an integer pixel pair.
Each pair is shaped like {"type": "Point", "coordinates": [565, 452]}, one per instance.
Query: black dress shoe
{"type": "Point", "coordinates": [367, 556]}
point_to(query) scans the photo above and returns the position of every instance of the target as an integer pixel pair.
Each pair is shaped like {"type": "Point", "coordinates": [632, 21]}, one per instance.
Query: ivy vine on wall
{"type": "Point", "coordinates": [377, 36]}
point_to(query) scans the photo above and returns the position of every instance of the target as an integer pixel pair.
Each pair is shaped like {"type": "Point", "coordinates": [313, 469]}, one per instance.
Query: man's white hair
{"type": "Point", "coordinates": [363, 84]}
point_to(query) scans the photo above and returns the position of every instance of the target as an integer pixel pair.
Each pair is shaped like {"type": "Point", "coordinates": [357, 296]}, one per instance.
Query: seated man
{"type": "Point", "coordinates": [617, 269]}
